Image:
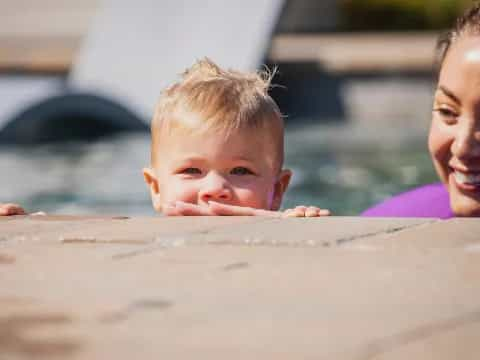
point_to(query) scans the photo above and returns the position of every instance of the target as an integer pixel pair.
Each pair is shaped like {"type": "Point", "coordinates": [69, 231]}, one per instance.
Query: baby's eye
{"type": "Point", "coordinates": [241, 170]}
{"type": "Point", "coordinates": [191, 171]}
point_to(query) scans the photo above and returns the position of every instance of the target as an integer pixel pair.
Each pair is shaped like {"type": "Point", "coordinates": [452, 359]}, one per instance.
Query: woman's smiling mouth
{"type": "Point", "coordinates": [468, 180]}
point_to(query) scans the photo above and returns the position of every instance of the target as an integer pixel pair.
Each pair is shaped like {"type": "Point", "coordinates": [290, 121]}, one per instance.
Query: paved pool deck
{"type": "Point", "coordinates": [334, 53]}
{"type": "Point", "coordinates": [239, 288]}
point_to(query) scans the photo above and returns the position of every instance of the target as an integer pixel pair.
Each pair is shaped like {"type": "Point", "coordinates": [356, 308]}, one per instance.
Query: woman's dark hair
{"type": "Point", "coordinates": [468, 23]}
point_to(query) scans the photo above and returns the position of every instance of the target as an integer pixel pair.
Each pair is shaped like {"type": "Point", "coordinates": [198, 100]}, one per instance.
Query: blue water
{"type": "Point", "coordinates": [341, 168]}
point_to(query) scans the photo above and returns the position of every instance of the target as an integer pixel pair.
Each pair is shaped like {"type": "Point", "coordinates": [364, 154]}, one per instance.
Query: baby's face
{"type": "Point", "coordinates": [241, 169]}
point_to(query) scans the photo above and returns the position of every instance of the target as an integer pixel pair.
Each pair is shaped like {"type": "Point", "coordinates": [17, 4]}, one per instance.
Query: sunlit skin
{"type": "Point", "coordinates": [212, 174]}
{"type": "Point", "coordinates": [454, 140]}
{"type": "Point", "coordinates": [11, 209]}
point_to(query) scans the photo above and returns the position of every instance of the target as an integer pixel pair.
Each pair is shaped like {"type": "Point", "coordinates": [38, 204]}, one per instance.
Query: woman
{"type": "Point", "coordinates": [454, 138]}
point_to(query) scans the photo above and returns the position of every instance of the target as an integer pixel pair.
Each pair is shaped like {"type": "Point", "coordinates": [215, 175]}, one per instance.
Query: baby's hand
{"type": "Point", "coordinates": [235, 210]}
{"type": "Point", "coordinates": [180, 208]}
{"type": "Point", "coordinates": [306, 211]}
{"type": "Point", "coordinates": [11, 209]}
{"type": "Point", "coordinates": [214, 208]}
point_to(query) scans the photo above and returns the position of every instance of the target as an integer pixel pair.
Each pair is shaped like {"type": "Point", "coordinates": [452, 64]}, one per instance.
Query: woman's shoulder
{"type": "Point", "coordinates": [425, 201]}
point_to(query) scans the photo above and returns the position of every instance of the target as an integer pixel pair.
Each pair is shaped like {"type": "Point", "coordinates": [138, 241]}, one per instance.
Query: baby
{"type": "Point", "coordinates": [217, 147]}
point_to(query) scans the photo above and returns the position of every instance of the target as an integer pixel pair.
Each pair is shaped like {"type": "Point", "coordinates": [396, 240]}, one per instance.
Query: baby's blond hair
{"type": "Point", "coordinates": [209, 98]}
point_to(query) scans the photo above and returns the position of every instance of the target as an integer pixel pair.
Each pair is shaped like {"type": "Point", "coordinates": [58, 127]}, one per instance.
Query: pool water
{"type": "Point", "coordinates": [341, 168]}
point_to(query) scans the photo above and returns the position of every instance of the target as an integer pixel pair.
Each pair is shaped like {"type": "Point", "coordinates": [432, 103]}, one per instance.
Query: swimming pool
{"type": "Point", "coordinates": [343, 168]}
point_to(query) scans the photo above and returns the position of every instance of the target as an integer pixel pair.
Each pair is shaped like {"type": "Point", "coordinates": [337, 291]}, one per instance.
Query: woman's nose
{"type": "Point", "coordinates": [215, 187]}
{"type": "Point", "coordinates": [467, 142]}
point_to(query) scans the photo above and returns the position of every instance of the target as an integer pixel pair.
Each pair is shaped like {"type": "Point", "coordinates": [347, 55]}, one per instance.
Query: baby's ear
{"type": "Point", "coordinates": [152, 183]}
{"type": "Point", "coordinates": [280, 187]}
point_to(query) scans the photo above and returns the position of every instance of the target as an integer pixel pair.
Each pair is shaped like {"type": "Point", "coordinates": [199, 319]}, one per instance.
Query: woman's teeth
{"type": "Point", "coordinates": [471, 179]}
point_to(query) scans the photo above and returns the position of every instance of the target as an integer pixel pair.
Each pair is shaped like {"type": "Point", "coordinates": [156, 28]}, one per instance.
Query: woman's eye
{"type": "Point", "coordinates": [191, 171]}
{"type": "Point", "coordinates": [447, 115]}
{"type": "Point", "coordinates": [240, 170]}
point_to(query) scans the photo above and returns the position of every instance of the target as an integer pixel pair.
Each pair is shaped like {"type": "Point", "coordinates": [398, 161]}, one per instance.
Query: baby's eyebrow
{"type": "Point", "coordinates": [191, 158]}
{"type": "Point", "coordinates": [242, 158]}
{"type": "Point", "coordinates": [187, 161]}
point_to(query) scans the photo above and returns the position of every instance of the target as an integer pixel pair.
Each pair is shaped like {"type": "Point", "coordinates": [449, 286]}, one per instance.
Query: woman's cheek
{"type": "Point", "coordinates": [439, 142]}
{"type": "Point", "coordinates": [434, 140]}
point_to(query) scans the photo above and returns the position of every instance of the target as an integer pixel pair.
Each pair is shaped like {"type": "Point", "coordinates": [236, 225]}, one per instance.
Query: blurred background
{"type": "Point", "coordinates": [79, 80]}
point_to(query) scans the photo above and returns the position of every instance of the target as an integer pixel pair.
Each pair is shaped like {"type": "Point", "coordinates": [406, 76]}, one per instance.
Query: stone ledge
{"type": "Point", "coordinates": [216, 288]}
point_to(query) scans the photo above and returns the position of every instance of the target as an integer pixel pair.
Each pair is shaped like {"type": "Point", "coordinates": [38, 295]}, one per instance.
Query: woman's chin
{"type": "Point", "coordinates": [464, 198]}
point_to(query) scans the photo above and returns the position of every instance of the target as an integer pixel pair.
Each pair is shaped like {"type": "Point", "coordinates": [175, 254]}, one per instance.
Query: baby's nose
{"type": "Point", "coordinates": [215, 188]}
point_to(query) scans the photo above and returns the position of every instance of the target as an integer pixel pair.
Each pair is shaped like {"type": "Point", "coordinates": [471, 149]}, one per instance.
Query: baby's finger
{"type": "Point", "coordinates": [233, 210]}
{"type": "Point", "coordinates": [170, 210]}
{"type": "Point", "coordinates": [180, 208]}
{"type": "Point", "coordinates": [229, 210]}
{"type": "Point", "coordinates": [11, 209]}
{"type": "Point", "coordinates": [188, 209]}
{"type": "Point", "coordinates": [287, 213]}
{"type": "Point", "coordinates": [296, 212]}
{"type": "Point", "coordinates": [306, 211]}
{"type": "Point", "coordinates": [312, 211]}
{"type": "Point", "coordinates": [324, 212]}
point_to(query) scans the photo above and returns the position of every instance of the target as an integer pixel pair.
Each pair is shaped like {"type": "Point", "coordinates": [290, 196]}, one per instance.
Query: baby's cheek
{"type": "Point", "coordinates": [258, 197]}
{"type": "Point", "coordinates": [183, 191]}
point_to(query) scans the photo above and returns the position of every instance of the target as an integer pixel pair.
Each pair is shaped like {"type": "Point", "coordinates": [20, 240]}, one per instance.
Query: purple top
{"type": "Point", "coordinates": [425, 201]}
